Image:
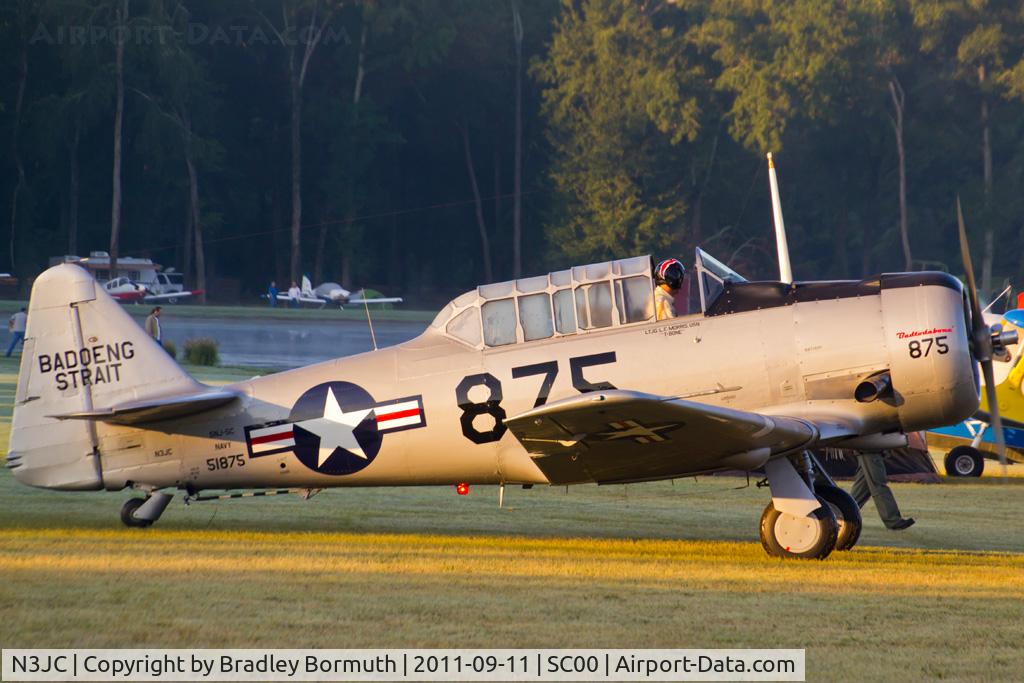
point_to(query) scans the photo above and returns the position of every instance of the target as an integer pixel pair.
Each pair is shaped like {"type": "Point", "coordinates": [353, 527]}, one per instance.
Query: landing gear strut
{"type": "Point", "coordinates": [142, 512]}
{"type": "Point", "coordinates": [846, 511]}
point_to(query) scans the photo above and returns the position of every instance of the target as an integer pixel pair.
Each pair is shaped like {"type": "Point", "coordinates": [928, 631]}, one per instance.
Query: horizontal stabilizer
{"type": "Point", "coordinates": [157, 408]}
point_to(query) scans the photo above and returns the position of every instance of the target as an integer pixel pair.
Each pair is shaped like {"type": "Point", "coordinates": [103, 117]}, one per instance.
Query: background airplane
{"type": "Point", "coordinates": [127, 291]}
{"type": "Point", "coordinates": [973, 441]}
{"type": "Point", "coordinates": [332, 292]}
{"type": "Point", "coordinates": [124, 290]}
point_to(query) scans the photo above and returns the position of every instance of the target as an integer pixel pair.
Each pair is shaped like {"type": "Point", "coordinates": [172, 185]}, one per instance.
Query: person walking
{"type": "Point", "coordinates": [272, 294]}
{"type": "Point", "coordinates": [871, 482]}
{"type": "Point", "coordinates": [153, 325]}
{"type": "Point", "coordinates": [16, 325]}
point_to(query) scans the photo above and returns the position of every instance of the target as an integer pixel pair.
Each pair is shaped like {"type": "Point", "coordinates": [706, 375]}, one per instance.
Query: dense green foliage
{"type": "Point", "coordinates": [621, 100]}
{"type": "Point", "coordinates": [643, 127]}
{"type": "Point", "coordinates": [201, 351]}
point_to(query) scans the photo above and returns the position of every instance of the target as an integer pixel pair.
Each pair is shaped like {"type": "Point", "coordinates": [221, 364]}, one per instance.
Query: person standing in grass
{"type": "Point", "coordinates": [16, 325]}
{"type": "Point", "coordinates": [272, 294]}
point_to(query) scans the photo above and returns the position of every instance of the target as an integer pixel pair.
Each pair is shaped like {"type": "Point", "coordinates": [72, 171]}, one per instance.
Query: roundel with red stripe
{"type": "Point", "coordinates": [336, 428]}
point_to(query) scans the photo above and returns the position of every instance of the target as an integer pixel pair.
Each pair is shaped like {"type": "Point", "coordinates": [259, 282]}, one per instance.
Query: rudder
{"type": "Point", "coordinates": [82, 352]}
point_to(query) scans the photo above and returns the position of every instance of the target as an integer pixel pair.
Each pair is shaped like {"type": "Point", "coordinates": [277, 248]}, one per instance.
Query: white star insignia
{"type": "Point", "coordinates": [336, 429]}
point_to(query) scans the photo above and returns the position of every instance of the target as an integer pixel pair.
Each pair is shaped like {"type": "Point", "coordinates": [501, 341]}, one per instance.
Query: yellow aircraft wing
{"type": "Point", "coordinates": [1008, 393]}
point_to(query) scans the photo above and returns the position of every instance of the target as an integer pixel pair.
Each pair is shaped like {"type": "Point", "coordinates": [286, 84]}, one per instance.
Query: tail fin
{"type": "Point", "coordinates": [82, 353]}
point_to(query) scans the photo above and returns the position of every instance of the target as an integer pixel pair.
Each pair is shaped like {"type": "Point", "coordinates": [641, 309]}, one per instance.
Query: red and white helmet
{"type": "Point", "coordinates": [670, 272]}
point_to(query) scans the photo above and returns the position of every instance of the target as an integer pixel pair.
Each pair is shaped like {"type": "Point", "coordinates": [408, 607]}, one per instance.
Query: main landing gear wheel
{"type": "Point", "coordinates": [964, 461]}
{"type": "Point", "coordinates": [812, 537]}
{"type": "Point", "coordinates": [128, 513]}
{"type": "Point", "coordinates": [846, 511]}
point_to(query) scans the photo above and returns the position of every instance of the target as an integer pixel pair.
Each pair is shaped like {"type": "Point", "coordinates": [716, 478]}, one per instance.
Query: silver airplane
{"type": "Point", "coordinates": [565, 378]}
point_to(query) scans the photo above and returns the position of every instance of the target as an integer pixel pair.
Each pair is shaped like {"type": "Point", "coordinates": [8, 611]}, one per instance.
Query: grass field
{"type": "Point", "coordinates": [654, 565]}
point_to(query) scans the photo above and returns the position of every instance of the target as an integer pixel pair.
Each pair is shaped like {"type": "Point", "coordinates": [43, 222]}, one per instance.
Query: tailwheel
{"type": "Point", "coordinates": [846, 511]}
{"type": "Point", "coordinates": [812, 537]}
{"type": "Point", "coordinates": [128, 513]}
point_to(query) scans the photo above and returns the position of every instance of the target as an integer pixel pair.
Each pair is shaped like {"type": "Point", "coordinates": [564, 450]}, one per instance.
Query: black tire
{"type": "Point", "coordinates": [847, 513]}
{"type": "Point", "coordinates": [172, 300]}
{"type": "Point", "coordinates": [964, 461]}
{"type": "Point", "coordinates": [822, 525]}
{"type": "Point", "coordinates": [128, 513]}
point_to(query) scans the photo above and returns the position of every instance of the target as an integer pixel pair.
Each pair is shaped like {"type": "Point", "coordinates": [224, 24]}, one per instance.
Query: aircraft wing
{"type": "Point", "coordinates": [621, 436]}
{"type": "Point", "coordinates": [383, 300]}
{"type": "Point", "coordinates": [156, 408]}
{"type": "Point", "coordinates": [303, 299]}
{"type": "Point", "coordinates": [127, 296]}
{"type": "Point", "coordinates": [169, 295]}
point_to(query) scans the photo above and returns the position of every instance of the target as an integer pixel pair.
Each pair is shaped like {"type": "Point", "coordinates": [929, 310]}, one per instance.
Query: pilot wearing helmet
{"type": "Point", "coordinates": [668, 279]}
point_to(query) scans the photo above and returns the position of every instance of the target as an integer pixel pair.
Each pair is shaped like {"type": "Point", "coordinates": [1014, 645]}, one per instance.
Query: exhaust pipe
{"type": "Point", "coordinates": [873, 388]}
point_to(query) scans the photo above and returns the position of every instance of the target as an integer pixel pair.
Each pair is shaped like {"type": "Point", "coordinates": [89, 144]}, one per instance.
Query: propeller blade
{"type": "Point", "coordinates": [993, 411]}
{"type": "Point", "coordinates": [965, 253]}
{"type": "Point", "coordinates": [982, 339]}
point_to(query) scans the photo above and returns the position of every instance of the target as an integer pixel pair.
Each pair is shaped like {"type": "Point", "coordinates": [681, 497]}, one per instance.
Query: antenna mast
{"type": "Point", "coordinates": [785, 271]}
{"type": "Point", "coordinates": [369, 320]}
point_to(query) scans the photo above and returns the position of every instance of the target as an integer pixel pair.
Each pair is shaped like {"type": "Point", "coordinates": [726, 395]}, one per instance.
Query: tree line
{"type": "Point", "coordinates": [424, 146]}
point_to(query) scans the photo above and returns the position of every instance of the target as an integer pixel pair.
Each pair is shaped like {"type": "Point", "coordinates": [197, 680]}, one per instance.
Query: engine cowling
{"type": "Point", "coordinates": [934, 378]}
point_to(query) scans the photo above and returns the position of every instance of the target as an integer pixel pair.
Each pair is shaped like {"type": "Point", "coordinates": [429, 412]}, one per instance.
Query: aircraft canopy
{"type": "Point", "coordinates": [713, 276]}
{"type": "Point", "coordinates": [574, 301]}
{"type": "Point", "coordinates": [578, 300]}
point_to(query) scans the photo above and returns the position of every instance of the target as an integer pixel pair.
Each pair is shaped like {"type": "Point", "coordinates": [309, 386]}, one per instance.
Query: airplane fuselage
{"type": "Point", "coordinates": [430, 411]}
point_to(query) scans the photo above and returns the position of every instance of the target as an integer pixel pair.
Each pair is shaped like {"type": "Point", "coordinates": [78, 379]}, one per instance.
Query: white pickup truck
{"type": "Point", "coordinates": [167, 283]}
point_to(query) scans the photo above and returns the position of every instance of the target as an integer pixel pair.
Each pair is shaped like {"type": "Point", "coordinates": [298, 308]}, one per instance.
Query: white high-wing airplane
{"type": "Point", "coordinates": [332, 292]}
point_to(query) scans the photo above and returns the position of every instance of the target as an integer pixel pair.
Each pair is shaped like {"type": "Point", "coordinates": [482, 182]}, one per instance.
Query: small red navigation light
{"type": "Point", "coordinates": [462, 488]}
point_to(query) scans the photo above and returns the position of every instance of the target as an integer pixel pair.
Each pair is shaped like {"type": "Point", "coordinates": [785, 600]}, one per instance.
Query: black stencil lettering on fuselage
{"type": "Point", "coordinates": [87, 366]}
{"type": "Point", "coordinates": [579, 382]}
{"type": "Point", "coordinates": [549, 369]}
{"type": "Point", "coordinates": [470, 410]}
